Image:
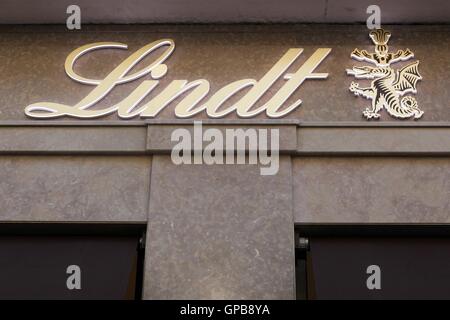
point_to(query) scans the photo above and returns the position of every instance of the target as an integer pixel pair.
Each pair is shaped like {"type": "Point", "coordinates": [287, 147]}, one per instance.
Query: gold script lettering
{"type": "Point", "coordinates": [192, 93]}
{"type": "Point", "coordinates": [103, 87]}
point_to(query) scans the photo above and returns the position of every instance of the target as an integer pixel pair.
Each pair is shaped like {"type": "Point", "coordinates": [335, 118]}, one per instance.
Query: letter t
{"type": "Point", "coordinates": [295, 80]}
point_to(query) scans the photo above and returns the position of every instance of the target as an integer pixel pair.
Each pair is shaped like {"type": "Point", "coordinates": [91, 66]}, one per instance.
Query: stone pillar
{"type": "Point", "coordinates": [219, 232]}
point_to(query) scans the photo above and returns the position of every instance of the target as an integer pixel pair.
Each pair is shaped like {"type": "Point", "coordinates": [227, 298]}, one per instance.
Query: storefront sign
{"type": "Point", "coordinates": [193, 91]}
{"type": "Point", "coordinates": [385, 91]}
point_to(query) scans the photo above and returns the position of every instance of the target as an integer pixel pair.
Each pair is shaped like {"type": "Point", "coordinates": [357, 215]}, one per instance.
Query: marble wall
{"type": "Point", "coordinates": [74, 188]}
{"type": "Point", "coordinates": [219, 232]}
{"type": "Point", "coordinates": [223, 232]}
{"type": "Point", "coordinates": [371, 190]}
{"type": "Point", "coordinates": [34, 56]}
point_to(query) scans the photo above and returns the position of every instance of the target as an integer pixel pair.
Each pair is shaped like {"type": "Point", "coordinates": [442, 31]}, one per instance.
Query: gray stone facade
{"type": "Point", "coordinates": [222, 231]}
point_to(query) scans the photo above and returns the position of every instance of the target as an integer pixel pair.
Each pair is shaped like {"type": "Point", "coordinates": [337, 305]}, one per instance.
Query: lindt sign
{"type": "Point", "coordinates": [195, 94]}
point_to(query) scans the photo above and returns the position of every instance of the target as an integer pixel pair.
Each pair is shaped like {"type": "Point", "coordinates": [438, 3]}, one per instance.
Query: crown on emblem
{"type": "Point", "coordinates": [380, 36]}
